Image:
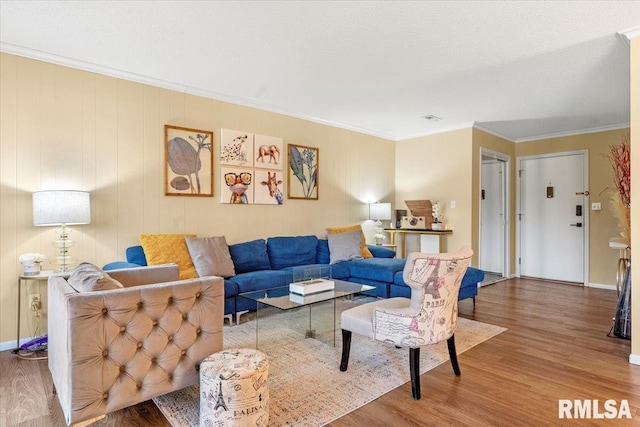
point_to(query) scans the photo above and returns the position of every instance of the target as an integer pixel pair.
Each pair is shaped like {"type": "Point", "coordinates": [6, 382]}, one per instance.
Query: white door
{"type": "Point", "coordinates": [552, 226]}
{"type": "Point", "coordinates": [492, 217]}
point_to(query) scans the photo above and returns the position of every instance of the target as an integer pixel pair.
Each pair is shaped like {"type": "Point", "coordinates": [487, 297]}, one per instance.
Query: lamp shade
{"type": "Point", "coordinates": [379, 211]}
{"type": "Point", "coordinates": [58, 207]}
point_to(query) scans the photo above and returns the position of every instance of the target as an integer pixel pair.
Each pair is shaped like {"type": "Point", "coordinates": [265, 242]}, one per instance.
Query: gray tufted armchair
{"type": "Point", "coordinates": [115, 348]}
{"type": "Point", "coordinates": [429, 317]}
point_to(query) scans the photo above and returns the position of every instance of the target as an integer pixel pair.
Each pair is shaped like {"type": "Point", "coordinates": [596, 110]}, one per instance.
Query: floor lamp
{"type": "Point", "coordinates": [61, 208]}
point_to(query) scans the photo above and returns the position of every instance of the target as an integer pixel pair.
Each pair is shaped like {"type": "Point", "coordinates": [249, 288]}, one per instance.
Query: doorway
{"type": "Point", "coordinates": [494, 215]}
{"type": "Point", "coordinates": [553, 217]}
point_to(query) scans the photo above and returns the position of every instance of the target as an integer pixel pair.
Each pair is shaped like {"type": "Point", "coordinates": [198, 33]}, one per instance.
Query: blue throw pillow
{"type": "Point", "coordinates": [250, 256]}
{"type": "Point", "coordinates": [135, 255]}
{"type": "Point", "coordinates": [291, 251]}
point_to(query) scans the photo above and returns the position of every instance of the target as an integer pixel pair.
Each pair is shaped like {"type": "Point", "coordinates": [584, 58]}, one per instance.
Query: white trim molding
{"type": "Point", "coordinates": [634, 359]}
{"type": "Point", "coordinates": [602, 286]}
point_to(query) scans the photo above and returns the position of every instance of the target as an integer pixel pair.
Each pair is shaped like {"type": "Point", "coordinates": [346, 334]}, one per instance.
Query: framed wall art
{"type": "Point", "coordinates": [268, 151]}
{"type": "Point", "coordinates": [236, 148]}
{"type": "Point", "coordinates": [188, 162]}
{"type": "Point", "coordinates": [303, 172]}
{"type": "Point", "coordinates": [236, 186]}
{"type": "Point", "coordinates": [268, 188]}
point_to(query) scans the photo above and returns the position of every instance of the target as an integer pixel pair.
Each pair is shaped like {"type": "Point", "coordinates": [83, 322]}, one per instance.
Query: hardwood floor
{"type": "Point", "coordinates": [556, 347]}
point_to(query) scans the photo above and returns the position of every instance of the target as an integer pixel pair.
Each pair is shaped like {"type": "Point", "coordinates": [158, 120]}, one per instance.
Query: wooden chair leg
{"type": "Point", "coordinates": [451, 344]}
{"type": "Point", "coordinates": [414, 370]}
{"type": "Point", "coordinates": [346, 348]}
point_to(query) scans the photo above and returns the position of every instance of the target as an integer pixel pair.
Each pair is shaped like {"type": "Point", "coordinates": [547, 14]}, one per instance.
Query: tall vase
{"type": "Point", "coordinates": [622, 322]}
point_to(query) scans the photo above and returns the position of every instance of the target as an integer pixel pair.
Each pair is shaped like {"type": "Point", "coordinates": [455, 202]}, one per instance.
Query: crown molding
{"type": "Point", "coordinates": [574, 132]}
{"type": "Point", "coordinates": [630, 33]}
{"type": "Point", "coordinates": [138, 78]}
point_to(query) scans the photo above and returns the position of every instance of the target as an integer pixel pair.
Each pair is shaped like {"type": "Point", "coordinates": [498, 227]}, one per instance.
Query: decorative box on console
{"type": "Point", "coordinates": [312, 286]}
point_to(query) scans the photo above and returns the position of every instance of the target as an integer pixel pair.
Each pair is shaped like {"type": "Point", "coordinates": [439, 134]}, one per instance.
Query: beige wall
{"type": "Point", "coordinates": [485, 140]}
{"type": "Point", "coordinates": [439, 168]}
{"type": "Point", "coordinates": [635, 194]}
{"type": "Point", "coordinates": [602, 259]}
{"type": "Point", "coordinates": [63, 128]}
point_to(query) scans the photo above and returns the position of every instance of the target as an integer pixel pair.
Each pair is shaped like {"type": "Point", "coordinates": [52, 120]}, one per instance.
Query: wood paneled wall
{"type": "Point", "coordinates": [63, 128]}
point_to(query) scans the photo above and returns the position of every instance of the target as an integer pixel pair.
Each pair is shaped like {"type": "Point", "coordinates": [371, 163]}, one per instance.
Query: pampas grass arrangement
{"type": "Point", "coordinates": [620, 158]}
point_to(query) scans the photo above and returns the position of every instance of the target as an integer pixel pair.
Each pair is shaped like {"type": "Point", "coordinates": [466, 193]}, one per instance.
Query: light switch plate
{"type": "Point", "coordinates": [453, 204]}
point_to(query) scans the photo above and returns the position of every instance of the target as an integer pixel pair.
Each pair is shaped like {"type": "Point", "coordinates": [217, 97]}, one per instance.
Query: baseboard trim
{"type": "Point", "coordinates": [11, 345]}
{"type": "Point", "coordinates": [602, 286]}
{"type": "Point", "coordinates": [634, 359]}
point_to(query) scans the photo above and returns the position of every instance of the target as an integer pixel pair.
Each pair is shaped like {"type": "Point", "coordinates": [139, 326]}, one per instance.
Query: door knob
{"type": "Point", "coordinates": [577, 224]}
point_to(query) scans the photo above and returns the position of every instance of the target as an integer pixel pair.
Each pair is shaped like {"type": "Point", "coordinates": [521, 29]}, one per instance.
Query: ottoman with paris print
{"type": "Point", "coordinates": [233, 389]}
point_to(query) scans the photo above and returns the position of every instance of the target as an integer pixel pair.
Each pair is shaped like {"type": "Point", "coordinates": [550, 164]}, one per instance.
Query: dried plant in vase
{"type": "Point", "coordinates": [620, 158]}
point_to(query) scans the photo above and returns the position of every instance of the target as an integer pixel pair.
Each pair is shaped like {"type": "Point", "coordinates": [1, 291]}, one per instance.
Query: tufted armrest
{"type": "Point", "coordinates": [113, 349]}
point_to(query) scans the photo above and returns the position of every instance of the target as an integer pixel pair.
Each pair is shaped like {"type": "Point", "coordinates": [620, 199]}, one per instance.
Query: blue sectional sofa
{"type": "Point", "coordinates": [263, 264]}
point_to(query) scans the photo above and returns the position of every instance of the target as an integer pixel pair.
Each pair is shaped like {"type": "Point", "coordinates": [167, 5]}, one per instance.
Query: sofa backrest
{"type": "Point", "coordinates": [291, 251]}
{"type": "Point", "coordinates": [250, 256]}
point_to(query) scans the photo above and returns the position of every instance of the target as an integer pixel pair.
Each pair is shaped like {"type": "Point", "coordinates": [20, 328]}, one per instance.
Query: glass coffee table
{"type": "Point", "coordinates": [311, 315]}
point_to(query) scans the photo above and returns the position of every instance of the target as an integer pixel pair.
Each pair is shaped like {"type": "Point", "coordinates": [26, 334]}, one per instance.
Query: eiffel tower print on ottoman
{"type": "Point", "coordinates": [234, 389]}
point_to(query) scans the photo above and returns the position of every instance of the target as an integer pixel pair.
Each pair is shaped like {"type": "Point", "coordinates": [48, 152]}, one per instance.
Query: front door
{"type": "Point", "coordinates": [553, 217]}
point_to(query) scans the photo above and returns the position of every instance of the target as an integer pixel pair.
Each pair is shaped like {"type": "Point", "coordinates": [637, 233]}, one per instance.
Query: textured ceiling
{"type": "Point", "coordinates": [519, 69]}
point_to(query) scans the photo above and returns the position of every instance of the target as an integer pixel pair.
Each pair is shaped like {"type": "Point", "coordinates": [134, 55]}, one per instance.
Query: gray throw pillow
{"type": "Point", "coordinates": [345, 246]}
{"type": "Point", "coordinates": [86, 277]}
{"type": "Point", "coordinates": [210, 256]}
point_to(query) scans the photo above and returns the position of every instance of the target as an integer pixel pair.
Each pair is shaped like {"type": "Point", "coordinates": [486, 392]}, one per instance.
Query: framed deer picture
{"type": "Point", "coordinates": [188, 162]}
{"type": "Point", "coordinates": [303, 172]}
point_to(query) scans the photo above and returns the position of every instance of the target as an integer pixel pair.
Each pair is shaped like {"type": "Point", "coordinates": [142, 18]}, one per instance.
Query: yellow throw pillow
{"type": "Point", "coordinates": [337, 230]}
{"type": "Point", "coordinates": [166, 248]}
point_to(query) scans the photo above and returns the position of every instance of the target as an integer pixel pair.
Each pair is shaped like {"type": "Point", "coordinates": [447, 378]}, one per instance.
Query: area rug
{"type": "Point", "coordinates": [306, 388]}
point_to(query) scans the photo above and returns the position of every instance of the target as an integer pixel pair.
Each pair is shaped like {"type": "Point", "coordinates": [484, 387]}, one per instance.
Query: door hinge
{"type": "Point", "coordinates": [519, 261]}
{"type": "Point", "coordinates": [519, 217]}
{"type": "Point", "coordinates": [520, 173]}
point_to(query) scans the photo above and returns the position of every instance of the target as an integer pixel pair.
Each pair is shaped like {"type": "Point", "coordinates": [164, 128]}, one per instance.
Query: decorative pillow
{"type": "Point", "coordinates": [345, 246]}
{"type": "Point", "coordinates": [250, 256]}
{"type": "Point", "coordinates": [168, 248]}
{"type": "Point", "coordinates": [336, 230]}
{"type": "Point", "coordinates": [210, 256]}
{"type": "Point", "coordinates": [86, 277]}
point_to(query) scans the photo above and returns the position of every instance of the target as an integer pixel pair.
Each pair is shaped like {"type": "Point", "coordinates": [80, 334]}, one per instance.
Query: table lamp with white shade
{"type": "Point", "coordinates": [61, 208]}
{"type": "Point", "coordinates": [377, 212]}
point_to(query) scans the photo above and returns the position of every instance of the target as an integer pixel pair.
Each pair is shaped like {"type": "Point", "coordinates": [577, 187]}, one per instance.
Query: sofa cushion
{"type": "Point", "coordinates": [260, 280]}
{"type": "Point", "coordinates": [169, 248]}
{"type": "Point", "coordinates": [337, 230]}
{"type": "Point", "coordinates": [291, 251]}
{"type": "Point", "coordinates": [322, 252]}
{"type": "Point", "coordinates": [250, 256]}
{"type": "Point", "coordinates": [345, 246]}
{"type": "Point", "coordinates": [210, 256]}
{"type": "Point", "coordinates": [87, 277]}
{"type": "Point", "coordinates": [135, 255]}
{"type": "Point", "coordinates": [379, 269]}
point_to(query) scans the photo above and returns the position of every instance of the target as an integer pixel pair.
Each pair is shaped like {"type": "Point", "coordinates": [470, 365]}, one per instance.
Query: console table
{"type": "Point", "coordinates": [430, 240]}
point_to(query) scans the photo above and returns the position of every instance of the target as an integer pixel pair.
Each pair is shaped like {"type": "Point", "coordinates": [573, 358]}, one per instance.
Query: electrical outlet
{"type": "Point", "coordinates": [596, 206]}
{"type": "Point", "coordinates": [35, 303]}
{"type": "Point", "coordinates": [453, 204]}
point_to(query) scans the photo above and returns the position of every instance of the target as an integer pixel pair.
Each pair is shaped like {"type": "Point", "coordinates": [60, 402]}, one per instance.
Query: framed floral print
{"type": "Point", "coordinates": [188, 162]}
{"type": "Point", "coordinates": [303, 172]}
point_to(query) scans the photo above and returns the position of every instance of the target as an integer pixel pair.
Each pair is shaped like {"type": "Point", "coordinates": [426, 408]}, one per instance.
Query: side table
{"type": "Point", "coordinates": [43, 275]}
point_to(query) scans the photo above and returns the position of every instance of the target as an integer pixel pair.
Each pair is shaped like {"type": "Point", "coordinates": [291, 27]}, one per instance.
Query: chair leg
{"type": "Point", "coordinates": [346, 349]}
{"type": "Point", "coordinates": [414, 371]}
{"type": "Point", "coordinates": [451, 344]}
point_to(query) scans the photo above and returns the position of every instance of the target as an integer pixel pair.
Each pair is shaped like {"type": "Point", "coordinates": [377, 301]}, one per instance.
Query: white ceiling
{"type": "Point", "coordinates": [520, 69]}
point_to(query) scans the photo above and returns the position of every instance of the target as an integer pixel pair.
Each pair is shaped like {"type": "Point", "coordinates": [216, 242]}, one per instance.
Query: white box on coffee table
{"type": "Point", "coordinates": [312, 286]}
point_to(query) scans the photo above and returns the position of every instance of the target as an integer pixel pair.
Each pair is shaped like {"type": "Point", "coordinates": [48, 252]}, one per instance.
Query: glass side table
{"type": "Point", "coordinates": [38, 354]}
